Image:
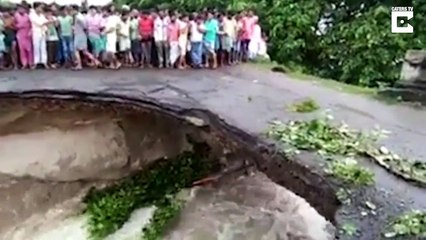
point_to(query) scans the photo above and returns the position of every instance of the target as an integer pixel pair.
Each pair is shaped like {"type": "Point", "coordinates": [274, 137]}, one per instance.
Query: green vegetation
{"type": "Point", "coordinates": [109, 208]}
{"type": "Point", "coordinates": [331, 140]}
{"type": "Point", "coordinates": [349, 171]}
{"type": "Point", "coordinates": [305, 106]}
{"type": "Point", "coordinates": [348, 229]}
{"type": "Point", "coordinates": [341, 146]}
{"type": "Point", "coordinates": [166, 210]}
{"type": "Point", "coordinates": [409, 225]}
{"type": "Point", "coordinates": [322, 136]}
{"type": "Point", "coordinates": [408, 169]}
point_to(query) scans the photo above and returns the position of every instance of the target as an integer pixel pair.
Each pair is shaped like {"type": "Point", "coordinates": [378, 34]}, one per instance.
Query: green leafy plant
{"type": "Point", "coordinates": [409, 225]}
{"type": "Point", "coordinates": [108, 209]}
{"type": "Point", "coordinates": [330, 140]}
{"type": "Point", "coordinates": [305, 106]}
{"type": "Point", "coordinates": [349, 171]}
{"type": "Point", "coordinates": [320, 135]}
{"type": "Point", "coordinates": [167, 209]}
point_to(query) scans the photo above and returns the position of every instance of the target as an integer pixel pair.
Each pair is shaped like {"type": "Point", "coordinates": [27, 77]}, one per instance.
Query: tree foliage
{"type": "Point", "coordinates": [357, 46]}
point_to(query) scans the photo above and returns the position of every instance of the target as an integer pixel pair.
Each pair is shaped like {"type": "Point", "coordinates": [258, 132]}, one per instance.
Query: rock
{"type": "Point", "coordinates": [414, 66]}
{"type": "Point", "coordinates": [250, 207]}
{"type": "Point", "coordinates": [412, 84]}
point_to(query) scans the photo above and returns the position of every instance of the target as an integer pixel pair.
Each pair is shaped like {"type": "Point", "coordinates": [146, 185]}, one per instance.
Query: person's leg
{"type": "Point", "coordinates": [182, 52]}
{"type": "Point", "coordinates": [149, 52]}
{"type": "Point", "coordinates": [246, 49]}
{"type": "Point", "coordinates": [213, 55]}
{"type": "Point", "coordinates": [92, 45]}
{"type": "Point", "coordinates": [166, 50]}
{"type": "Point", "coordinates": [14, 54]}
{"type": "Point", "coordinates": [143, 52]}
{"type": "Point", "coordinates": [199, 54]}
{"type": "Point", "coordinates": [76, 53]}
{"type": "Point", "coordinates": [133, 49]}
{"type": "Point", "coordinates": [30, 52]}
{"type": "Point", "coordinates": [160, 54]}
{"type": "Point", "coordinates": [196, 51]}
{"type": "Point", "coordinates": [1, 60]}
{"type": "Point", "coordinates": [23, 53]}
{"type": "Point", "coordinates": [59, 54]}
{"type": "Point", "coordinates": [235, 52]}
{"type": "Point", "coordinates": [71, 49]}
{"type": "Point", "coordinates": [194, 54]}
{"type": "Point", "coordinates": [43, 52]}
{"type": "Point", "coordinates": [55, 46]}
{"type": "Point", "coordinates": [206, 49]}
{"type": "Point", "coordinates": [50, 55]}
{"type": "Point", "coordinates": [36, 50]}
{"type": "Point", "coordinates": [66, 50]}
{"type": "Point", "coordinates": [228, 50]}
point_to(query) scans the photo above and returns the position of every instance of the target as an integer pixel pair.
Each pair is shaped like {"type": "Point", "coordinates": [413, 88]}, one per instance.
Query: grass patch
{"type": "Point", "coordinates": [305, 106]}
{"type": "Point", "coordinates": [108, 209]}
{"type": "Point", "coordinates": [411, 224]}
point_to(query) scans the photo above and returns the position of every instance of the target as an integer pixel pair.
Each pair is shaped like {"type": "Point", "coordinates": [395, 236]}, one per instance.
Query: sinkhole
{"type": "Point", "coordinates": [83, 166]}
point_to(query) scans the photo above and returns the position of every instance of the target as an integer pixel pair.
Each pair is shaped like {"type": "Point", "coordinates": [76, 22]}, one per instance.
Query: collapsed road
{"type": "Point", "coordinates": [210, 106]}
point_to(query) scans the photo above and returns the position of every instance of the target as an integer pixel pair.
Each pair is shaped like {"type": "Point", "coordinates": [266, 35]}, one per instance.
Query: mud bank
{"type": "Point", "coordinates": [55, 145]}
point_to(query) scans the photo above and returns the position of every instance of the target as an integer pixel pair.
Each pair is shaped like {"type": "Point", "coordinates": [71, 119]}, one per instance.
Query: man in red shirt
{"type": "Point", "coordinates": [146, 30]}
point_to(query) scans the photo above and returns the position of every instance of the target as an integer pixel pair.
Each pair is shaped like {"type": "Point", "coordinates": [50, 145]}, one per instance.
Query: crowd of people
{"type": "Point", "coordinates": [51, 36]}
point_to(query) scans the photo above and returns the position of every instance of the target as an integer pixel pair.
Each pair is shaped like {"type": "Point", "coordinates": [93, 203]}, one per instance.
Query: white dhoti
{"type": "Point", "coordinates": [183, 45]}
{"type": "Point", "coordinates": [174, 52]}
{"type": "Point", "coordinates": [255, 42]}
{"type": "Point", "coordinates": [253, 47]}
{"type": "Point", "coordinates": [40, 49]}
{"type": "Point", "coordinates": [124, 44]}
{"type": "Point", "coordinates": [111, 43]}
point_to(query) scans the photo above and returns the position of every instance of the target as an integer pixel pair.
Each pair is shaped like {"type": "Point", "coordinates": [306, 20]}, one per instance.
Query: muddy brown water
{"type": "Point", "coordinates": [53, 151]}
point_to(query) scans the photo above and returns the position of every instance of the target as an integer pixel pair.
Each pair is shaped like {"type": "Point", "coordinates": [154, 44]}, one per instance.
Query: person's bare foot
{"type": "Point", "coordinates": [77, 68]}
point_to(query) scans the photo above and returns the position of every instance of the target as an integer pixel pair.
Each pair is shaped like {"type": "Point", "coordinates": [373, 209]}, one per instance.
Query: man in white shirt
{"type": "Point", "coordinates": [197, 30]}
{"type": "Point", "coordinates": [229, 35]}
{"type": "Point", "coordinates": [39, 28]}
{"type": "Point", "coordinates": [160, 38]}
{"type": "Point", "coordinates": [112, 24]}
